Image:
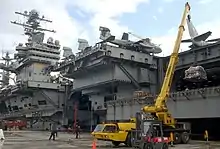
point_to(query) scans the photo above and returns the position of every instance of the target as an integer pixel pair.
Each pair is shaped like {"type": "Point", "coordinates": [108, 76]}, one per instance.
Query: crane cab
{"type": "Point", "coordinates": [149, 134]}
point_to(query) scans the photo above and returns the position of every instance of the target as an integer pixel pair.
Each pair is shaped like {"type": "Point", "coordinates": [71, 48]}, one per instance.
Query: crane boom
{"type": "Point", "coordinates": [135, 35]}
{"type": "Point", "coordinates": [160, 108]}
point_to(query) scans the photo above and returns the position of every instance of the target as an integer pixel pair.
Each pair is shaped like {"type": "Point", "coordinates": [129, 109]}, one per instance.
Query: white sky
{"type": "Point", "coordinates": [69, 29]}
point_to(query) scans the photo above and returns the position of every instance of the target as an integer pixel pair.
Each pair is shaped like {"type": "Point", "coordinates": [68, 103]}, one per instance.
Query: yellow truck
{"type": "Point", "coordinates": [117, 133]}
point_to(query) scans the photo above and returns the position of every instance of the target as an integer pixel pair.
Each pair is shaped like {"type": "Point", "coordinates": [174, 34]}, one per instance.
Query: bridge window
{"type": "Point", "coordinates": [204, 55]}
{"type": "Point", "coordinates": [15, 108]}
{"type": "Point", "coordinates": [42, 102]}
{"type": "Point", "coordinates": [109, 53]}
{"type": "Point", "coordinates": [183, 60]}
{"type": "Point", "coordinates": [146, 60]}
{"type": "Point", "coordinates": [132, 57]}
{"type": "Point", "coordinates": [9, 107]}
{"type": "Point", "coordinates": [121, 55]}
{"type": "Point", "coordinates": [208, 52]}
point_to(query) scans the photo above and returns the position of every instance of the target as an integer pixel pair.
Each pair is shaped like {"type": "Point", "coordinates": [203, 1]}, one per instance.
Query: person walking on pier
{"type": "Point", "coordinates": [56, 132]}
{"type": "Point", "coordinates": [77, 130]}
{"type": "Point", "coordinates": [53, 131]}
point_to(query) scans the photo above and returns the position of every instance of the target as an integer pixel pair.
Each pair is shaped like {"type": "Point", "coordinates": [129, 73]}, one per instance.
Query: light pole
{"type": "Point", "coordinates": [114, 104]}
{"type": "Point", "coordinates": [65, 104]}
{"type": "Point", "coordinates": [91, 117]}
{"type": "Point", "coordinates": [76, 104]}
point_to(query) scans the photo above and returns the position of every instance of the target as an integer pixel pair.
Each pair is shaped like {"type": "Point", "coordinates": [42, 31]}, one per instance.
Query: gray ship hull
{"type": "Point", "coordinates": [39, 107]}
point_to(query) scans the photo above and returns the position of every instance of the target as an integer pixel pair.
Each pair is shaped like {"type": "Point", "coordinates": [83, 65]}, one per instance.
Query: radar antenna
{"type": "Point", "coordinates": [32, 25]}
{"type": "Point", "coordinates": [5, 75]}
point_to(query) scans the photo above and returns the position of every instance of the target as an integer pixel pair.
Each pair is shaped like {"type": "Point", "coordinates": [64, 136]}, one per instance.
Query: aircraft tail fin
{"type": "Point", "coordinates": [202, 37]}
{"type": "Point", "coordinates": [125, 36]}
{"type": "Point", "coordinates": [105, 33]}
{"type": "Point", "coordinates": [192, 46]}
{"type": "Point", "coordinates": [83, 44]}
{"type": "Point", "coordinates": [214, 40]}
{"type": "Point", "coordinates": [192, 30]}
{"type": "Point", "coordinates": [187, 40]}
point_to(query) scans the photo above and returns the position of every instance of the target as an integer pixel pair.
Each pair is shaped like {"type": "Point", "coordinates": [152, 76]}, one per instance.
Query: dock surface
{"type": "Point", "coordinates": [39, 140]}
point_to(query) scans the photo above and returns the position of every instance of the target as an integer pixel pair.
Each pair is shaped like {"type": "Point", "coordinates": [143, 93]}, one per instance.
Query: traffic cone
{"type": "Point", "coordinates": [94, 144]}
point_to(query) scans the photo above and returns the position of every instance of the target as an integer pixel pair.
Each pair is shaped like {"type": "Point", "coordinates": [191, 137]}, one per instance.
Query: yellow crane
{"type": "Point", "coordinates": [159, 109]}
{"type": "Point", "coordinates": [121, 132]}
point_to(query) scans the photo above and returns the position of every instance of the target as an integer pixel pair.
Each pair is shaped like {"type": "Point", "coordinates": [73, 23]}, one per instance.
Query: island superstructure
{"type": "Point", "coordinates": [35, 96]}
{"type": "Point", "coordinates": [106, 72]}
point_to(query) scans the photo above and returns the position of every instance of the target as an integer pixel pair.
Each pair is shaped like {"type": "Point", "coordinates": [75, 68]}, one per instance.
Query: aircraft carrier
{"type": "Point", "coordinates": [105, 78]}
{"type": "Point", "coordinates": [35, 97]}
{"type": "Point", "coordinates": [108, 74]}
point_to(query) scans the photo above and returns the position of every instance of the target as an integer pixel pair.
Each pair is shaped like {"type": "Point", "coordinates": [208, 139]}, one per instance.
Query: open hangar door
{"type": "Point", "coordinates": [198, 127]}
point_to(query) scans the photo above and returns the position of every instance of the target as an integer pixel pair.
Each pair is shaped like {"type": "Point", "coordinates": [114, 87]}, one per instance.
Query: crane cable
{"type": "Point", "coordinates": [142, 38]}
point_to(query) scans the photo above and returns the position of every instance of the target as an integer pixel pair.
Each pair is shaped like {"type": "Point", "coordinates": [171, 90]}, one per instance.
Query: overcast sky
{"type": "Point", "coordinates": [73, 19]}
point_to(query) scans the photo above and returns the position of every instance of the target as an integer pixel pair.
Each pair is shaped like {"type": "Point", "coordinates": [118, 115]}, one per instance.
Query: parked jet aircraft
{"type": "Point", "coordinates": [143, 45]}
{"type": "Point", "coordinates": [196, 39]}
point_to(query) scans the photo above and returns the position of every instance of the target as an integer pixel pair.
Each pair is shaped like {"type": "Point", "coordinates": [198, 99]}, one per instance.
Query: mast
{"type": "Point", "coordinates": [32, 26]}
{"type": "Point", "coordinates": [5, 74]}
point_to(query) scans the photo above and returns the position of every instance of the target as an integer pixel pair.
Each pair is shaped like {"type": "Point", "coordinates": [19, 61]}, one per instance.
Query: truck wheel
{"type": "Point", "coordinates": [148, 146]}
{"type": "Point", "coordinates": [177, 138]}
{"type": "Point", "coordinates": [165, 146]}
{"type": "Point", "coordinates": [185, 137]}
{"type": "Point", "coordinates": [129, 140]}
{"type": "Point", "coordinates": [115, 143]}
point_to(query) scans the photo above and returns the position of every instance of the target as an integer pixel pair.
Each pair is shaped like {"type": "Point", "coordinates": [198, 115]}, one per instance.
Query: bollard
{"type": "Point", "coordinates": [171, 139]}
{"type": "Point", "coordinates": [206, 136]}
